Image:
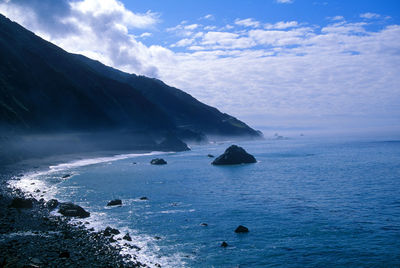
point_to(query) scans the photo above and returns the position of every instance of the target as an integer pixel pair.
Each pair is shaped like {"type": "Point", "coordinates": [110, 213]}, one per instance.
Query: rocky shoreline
{"type": "Point", "coordinates": [32, 237]}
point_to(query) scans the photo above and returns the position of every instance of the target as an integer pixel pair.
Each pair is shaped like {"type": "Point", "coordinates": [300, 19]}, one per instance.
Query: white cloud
{"type": "Point", "coordinates": [208, 17]}
{"type": "Point", "coordinates": [336, 18]}
{"type": "Point", "coordinates": [281, 25]}
{"type": "Point", "coordinates": [284, 1]}
{"type": "Point", "coordinates": [369, 15]}
{"type": "Point", "coordinates": [247, 22]}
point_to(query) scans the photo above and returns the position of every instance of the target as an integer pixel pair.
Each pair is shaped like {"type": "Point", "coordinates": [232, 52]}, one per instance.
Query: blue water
{"type": "Point", "coordinates": [307, 203]}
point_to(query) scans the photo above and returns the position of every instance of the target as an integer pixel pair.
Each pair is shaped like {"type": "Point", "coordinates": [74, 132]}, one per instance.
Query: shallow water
{"type": "Point", "coordinates": [306, 202]}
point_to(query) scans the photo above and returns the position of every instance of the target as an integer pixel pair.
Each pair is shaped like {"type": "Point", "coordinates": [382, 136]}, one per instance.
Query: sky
{"type": "Point", "coordinates": [276, 64]}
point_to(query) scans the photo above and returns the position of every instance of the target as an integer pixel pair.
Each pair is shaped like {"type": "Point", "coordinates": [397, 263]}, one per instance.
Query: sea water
{"type": "Point", "coordinates": [306, 203]}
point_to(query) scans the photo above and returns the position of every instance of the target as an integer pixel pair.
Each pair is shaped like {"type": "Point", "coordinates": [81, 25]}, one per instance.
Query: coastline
{"type": "Point", "coordinates": [33, 237]}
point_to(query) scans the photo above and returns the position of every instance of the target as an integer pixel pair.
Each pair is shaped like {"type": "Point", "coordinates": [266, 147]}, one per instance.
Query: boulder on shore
{"type": "Point", "coordinates": [110, 231]}
{"type": "Point", "coordinates": [241, 229]}
{"type": "Point", "coordinates": [72, 210]}
{"type": "Point", "coordinates": [158, 161]}
{"type": "Point", "coordinates": [115, 202]}
{"type": "Point", "coordinates": [234, 155]}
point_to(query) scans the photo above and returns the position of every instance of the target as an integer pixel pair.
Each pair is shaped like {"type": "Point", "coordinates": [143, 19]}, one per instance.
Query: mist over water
{"type": "Point", "coordinates": [307, 202]}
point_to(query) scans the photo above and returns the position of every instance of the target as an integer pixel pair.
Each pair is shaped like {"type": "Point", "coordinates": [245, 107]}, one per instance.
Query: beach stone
{"type": "Point", "coordinates": [158, 161]}
{"type": "Point", "coordinates": [241, 229]}
{"type": "Point", "coordinates": [72, 210]}
{"type": "Point", "coordinates": [224, 244]}
{"type": "Point", "coordinates": [52, 203]}
{"type": "Point", "coordinates": [115, 202]}
{"type": "Point", "coordinates": [18, 202]}
{"type": "Point", "coordinates": [127, 237]}
{"type": "Point", "coordinates": [234, 155]}
{"type": "Point", "coordinates": [64, 254]}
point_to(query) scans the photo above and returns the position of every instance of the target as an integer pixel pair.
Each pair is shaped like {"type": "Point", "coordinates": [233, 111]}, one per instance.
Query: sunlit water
{"type": "Point", "coordinates": [306, 203]}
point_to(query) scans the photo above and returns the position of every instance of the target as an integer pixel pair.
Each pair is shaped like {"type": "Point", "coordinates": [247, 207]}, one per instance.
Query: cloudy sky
{"type": "Point", "coordinates": [274, 63]}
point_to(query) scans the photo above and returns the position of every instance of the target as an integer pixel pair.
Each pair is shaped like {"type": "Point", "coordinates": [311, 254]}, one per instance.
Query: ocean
{"type": "Point", "coordinates": [307, 203]}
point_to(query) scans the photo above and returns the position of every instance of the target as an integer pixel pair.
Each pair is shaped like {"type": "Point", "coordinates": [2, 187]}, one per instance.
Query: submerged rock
{"type": "Point", "coordinates": [210, 155]}
{"type": "Point", "coordinates": [143, 198]}
{"type": "Point", "coordinates": [158, 161]}
{"type": "Point", "coordinates": [72, 210]}
{"type": "Point", "coordinates": [66, 176]}
{"type": "Point", "coordinates": [19, 202]}
{"type": "Point", "coordinates": [234, 155]}
{"type": "Point", "coordinates": [241, 229]}
{"type": "Point", "coordinates": [203, 224]}
{"type": "Point", "coordinates": [224, 244]}
{"type": "Point", "coordinates": [115, 202]}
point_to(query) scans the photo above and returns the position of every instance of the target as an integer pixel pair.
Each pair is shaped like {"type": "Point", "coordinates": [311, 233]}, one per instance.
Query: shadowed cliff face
{"type": "Point", "coordinates": [45, 90]}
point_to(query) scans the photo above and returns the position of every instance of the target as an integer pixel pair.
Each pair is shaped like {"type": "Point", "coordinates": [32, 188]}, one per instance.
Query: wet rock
{"type": "Point", "coordinates": [36, 261]}
{"type": "Point", "coordinates": [224, 244]}
{"type": "Point", "coordinates": [127, 237]}
{"type": "Point", "coordinates": [234, 155]}
{"type": "Point", "coordinates": [66, 176]}
{"type": "Point", "coordinates": [157, 237]}
{"type": "Point", "coordinates": [143, 198]}
{"type": "Point", "coordinates": [241, 229]}
{"type": "Point", "coordinates": [52, 203]}
{"type": "Point", "coordinates": [18, 202]}
{"type": "Point", "coordinates": [210, 155]}
{"type": "Point", "coordinates": [109, 231]}
{"type": "Point", "coordinates": [115, 202]}
{"type": "Point", "coordinates": [203, 224]}
{"type": "Point", "coordinates": [158, 161]}
{"type": "Point", "coordinates": [64, 254]}
{"type": "Point", "coordinates": [72, 210]}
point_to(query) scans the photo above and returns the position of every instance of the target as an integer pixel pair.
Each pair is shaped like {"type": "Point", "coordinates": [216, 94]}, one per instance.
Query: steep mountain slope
{"type": "Point", "coordinates": [44, 89]}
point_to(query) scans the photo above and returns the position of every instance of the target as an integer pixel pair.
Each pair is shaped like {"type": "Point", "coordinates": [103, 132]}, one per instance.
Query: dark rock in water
{"type": "Point", "coordinates": [18, 202]}
{"type": "Point", "coordinates": [157, 237]}
{"type": "Point", "coordinates": [203, 224]}
{"type": "Point", "coordinates": [143, 198]}
{"type": "Point", "coordinates": [64, 254]}
{"type": "Point", "coordinates": [158, 161]}
{"type": "Point", "coordinates": [173, 143]}
{"type": "Point", "coordinates": [72, 210]}
{"type": "Point", "coordinates": [234, 155]}
{"type": "Point", "coordinates": [66, 176]}
{"type": "Point", "coordinates": [241, 229]}
{"type": "Point", "coordinates": [127, 237]}
{"type": "Point", "coordinates": [52, 203]}
{"type": "Point", "coordinates": [224, 244]}
{"type": "Point", "coordinates": [109, 231]}
{"type": "Point", "coordinates": [134, 163]}
{"type": "Point", "coordinates": [114, 202]}
{"type": "Point", "coordinates": [210, 155]}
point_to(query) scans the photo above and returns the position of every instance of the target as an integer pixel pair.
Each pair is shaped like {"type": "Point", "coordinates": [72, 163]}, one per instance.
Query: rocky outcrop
{"type": "Point", "coordinates": [72, 210]}
{"type": "Point", "coordinates": [158, 161]}
{"type": "Point", "coordinates": [172, 143]}
{"type": "Point", "coordinates": [127, 237]}
{"type": "Point", "coordinates": [224, 244]}
{"type": "Point", "coordinates": [52, 204]}
{"type": "Point", "coordinates": [19, 202]}
{"type": "Point", "coordinates": [115, 202]}
{"type": "Point", "coordinates": [234, 155]}
{"type": "Point", "coordinates": [110, 231]}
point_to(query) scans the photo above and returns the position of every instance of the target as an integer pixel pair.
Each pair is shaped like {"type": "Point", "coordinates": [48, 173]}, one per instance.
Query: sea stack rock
{"type": "Point", "coordinates": [115, 202]}
{"type": "Point", "coordinates": [158, 161]}
{"type": "Point", "coordinates": [234, 155]}
{"type": "Point", "coordinates": [241, 229]}
{"type": "Point", "coordinates": [72, 210]}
